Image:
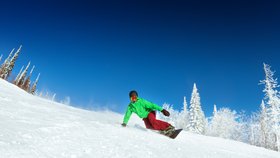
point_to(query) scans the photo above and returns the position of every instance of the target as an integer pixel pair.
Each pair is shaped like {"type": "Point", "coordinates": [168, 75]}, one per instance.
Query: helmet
{"type": "Point", "coordinates": [133, 92]}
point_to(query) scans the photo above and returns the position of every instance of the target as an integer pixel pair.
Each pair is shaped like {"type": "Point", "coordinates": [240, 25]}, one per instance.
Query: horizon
{"type": "Point", "coordinates": [96, 52]}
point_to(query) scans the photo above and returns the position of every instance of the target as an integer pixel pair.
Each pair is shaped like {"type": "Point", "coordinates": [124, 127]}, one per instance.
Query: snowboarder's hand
{"type": "Point", "coordinates": [124, 125]}
{"type": "Point", "coordinates": [165, 112]}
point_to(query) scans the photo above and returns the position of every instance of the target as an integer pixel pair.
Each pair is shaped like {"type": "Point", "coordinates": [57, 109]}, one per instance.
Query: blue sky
{"type": "Point", "coordinates": [97, 51]}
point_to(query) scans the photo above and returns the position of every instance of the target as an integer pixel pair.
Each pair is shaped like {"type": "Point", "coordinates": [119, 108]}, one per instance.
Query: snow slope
{"type": "Point", "coordinates": [34, 127]}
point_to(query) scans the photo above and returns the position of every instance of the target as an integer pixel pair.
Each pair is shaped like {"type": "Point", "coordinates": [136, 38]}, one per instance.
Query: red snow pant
{"type": "Point", "coordinates": [152, 123]}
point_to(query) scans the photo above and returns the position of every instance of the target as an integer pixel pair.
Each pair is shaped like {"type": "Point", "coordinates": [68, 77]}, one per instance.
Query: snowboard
{"type": "Point", "coordinates": [175, 133]}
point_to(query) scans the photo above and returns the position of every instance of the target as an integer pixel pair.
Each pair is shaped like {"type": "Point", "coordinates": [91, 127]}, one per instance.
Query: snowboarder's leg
{"type": "Point", "coordinates": [147, 123]}
{"type": "Point", "coordinates": [157, 124]}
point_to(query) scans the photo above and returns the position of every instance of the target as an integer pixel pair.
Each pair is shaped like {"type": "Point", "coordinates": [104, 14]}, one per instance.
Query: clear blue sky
{"type": "Point", "coordinates": [97, 51]}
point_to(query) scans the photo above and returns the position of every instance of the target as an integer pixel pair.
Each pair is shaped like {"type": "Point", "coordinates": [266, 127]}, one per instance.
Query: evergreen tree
{"type": "Point", "coordinates": [272, 101]}
{"type": "Point", "coordinates": [21, 79]}
{"type": "Point", "coordinates": [263, 126]}
{"type": "Point", "coordinates": [197, 121]}
{"type": "Point", "coordinates": [185, 115]}
{"type": "Point", "coordinates": [214, 124]}
{"type": "Point", "coordinates": [254, 130]}
{"type": "Point", "coordinates": [223, 124]}
{"type": "Point", "coordinates": [5, 65]}
{"type": "Point", "coordinates": [12, 62]}
{"type": "Point", "coordinates": [66, 101]}
{"type": "Point", "coordinates": [215, 110]}
{"type": "Point", "coordinates": [18, 75]}
{"type": "Point", "coordinates": [185, 105]}
{"type": "Point", "coordinates": [183, 121]}
{"type": "Point", "coordinates": [27, 82]}
{"type": "Point", "coordinates": [33, 89]}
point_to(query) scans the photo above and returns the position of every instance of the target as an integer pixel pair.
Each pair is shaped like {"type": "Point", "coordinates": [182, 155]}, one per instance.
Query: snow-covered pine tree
{"type": "Point", "coordinates": [33, 89]}
{"type": "Point", "coordinates": [1, 57]}
{"type": "Point", "coordinates": [66, 101]}
{"type": "Point", "coordinates": [18, 75]}
{"type": "Point", "coordinates": [12, 62]}
{"type": "Point", "coordinates": [197, 121]}
{"type": "Point", "coordinates": [26, 83]}
{"type": "Point", "coordinates": [183, 120]}
{"type": "Point", "coordinates": [213, 125]}
{"type": "Point", "coordinates": [21, 79]}
{"type": "Point", "coordinates": [223, 124]}
{"type": "Point", "coordinates": [5, 65]}
{"type": "Point", "coordinates": [185, 105]}
{"type": "Point", "coordinates": [215, 110]}
{"type": "Point", "coordinates": [254, 129]}
{"type": "Point", "coordinates": [242, 130]}
{"type": "Point", "coordinates": [263, 120]}
{"type": "Point", "coordinates": [272, 100]}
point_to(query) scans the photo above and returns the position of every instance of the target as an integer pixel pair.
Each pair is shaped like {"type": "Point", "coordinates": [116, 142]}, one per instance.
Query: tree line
{"type": "Point", "coordinates": [23, 79]}
{"type": "Point", "coordinates": [261, 128]}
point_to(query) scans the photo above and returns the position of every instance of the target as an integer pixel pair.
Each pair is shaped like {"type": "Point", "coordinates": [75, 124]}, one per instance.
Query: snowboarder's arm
{"type": "Point", "coordinates": [127, 115]}
{"type": "Point", "coordinates": [152, 105]}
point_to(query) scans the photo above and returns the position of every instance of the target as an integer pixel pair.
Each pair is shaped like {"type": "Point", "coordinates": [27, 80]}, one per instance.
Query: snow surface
{"type": "Point", "coordinates": [39, 128]}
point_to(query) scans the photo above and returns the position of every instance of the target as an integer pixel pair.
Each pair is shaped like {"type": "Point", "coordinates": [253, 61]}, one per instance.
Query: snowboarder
{"type": "Point", "coordinates": [146, 110]}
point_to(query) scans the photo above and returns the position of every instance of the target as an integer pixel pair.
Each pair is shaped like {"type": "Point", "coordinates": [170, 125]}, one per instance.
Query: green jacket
{"type": "Point", "coordinates": [141, 107]}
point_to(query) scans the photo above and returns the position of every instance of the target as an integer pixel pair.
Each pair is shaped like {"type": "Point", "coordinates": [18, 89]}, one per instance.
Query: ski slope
{"type": "Point", "coordinates": [32, 127]}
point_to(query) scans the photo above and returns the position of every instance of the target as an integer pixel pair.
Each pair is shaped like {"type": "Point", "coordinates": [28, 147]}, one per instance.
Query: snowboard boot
{"type": "Point", "coordinates": [168, 131]}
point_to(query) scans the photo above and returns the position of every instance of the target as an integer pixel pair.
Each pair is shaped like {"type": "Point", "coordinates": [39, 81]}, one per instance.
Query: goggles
{"type": "Point", "coordinates": [133, 98]}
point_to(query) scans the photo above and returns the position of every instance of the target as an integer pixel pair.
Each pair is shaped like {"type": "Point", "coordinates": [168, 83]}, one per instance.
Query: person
{"type": "Point", "coordinates": [146, 110]}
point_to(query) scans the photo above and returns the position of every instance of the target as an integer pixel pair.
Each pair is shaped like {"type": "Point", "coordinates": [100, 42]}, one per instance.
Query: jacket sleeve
{"type": "Point", "coordinates": [127, 115]}
{"type": "Point", "coordinates": [152, 106]}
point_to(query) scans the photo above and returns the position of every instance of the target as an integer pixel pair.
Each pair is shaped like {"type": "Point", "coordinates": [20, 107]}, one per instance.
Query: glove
{"type": "Point", "coordinates": [165, 112]}
{"type": "Point", "coordinates": [124, 125]}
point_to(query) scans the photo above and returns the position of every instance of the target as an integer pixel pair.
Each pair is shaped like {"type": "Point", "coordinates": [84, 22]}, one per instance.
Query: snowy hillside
{"type": "Point", "coordinates": [34, 127]}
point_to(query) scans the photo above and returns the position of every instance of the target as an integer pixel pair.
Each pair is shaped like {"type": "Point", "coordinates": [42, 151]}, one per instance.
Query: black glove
{"type": "Point", "coordinates": [165, 112]}
{"type": "Point", "coordinates": [124, 125]}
